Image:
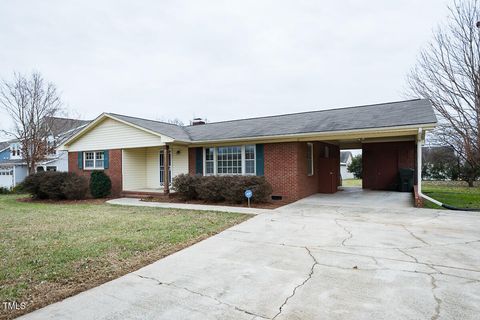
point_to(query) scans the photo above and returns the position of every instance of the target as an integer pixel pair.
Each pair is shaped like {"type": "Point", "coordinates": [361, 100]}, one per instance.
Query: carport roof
{"type": "Point", "coordinates": [418, 112]}
{"type": "Point", "coordinates": [392, 114]}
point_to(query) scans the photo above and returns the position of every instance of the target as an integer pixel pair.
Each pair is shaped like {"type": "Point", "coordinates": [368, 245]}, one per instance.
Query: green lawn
{"type": "Point", "coordinates": [51, 251]}
{"type": "Point", "coordinates": [454, 193]}
{"type": "Point", "coordinates": [352, 182]}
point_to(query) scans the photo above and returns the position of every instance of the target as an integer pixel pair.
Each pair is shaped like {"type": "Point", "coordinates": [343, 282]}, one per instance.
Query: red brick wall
{"type": "Point", "coordinates": [114, 170]}
{"type": "Point", "coordinates": [191, 161]}
{"type": "Point", "coordinates": [286, 168]}
{"type": "Point", "coordinates": [381, 162]}
{"type": "Point", "coordinates": [281, 168]}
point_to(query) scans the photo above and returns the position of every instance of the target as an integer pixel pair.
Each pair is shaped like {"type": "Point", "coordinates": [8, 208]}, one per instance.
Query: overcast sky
{"type": "Point", "coordinates": [216, 59]}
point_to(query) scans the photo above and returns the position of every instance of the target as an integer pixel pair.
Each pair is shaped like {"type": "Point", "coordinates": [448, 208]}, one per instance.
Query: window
{"type": "Point", "coordinates": [310, 159]}
{"type": "Point", "coordinates": [229, 160]}
{"type": "Point", "coordinates": [250, 159]}
{"type": "Point", "coordinates": [93, 159]}
{"type": "Point", "coordinates": [209, 161]}
{"type": "Point", "coordinates": [51, 168]}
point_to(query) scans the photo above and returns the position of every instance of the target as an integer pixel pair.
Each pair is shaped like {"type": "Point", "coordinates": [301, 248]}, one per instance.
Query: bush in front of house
{"type": "Point", "coordinates": [4, 190]}
{"type": "Point", "coordinates": [55, 185]}
{"type": "Point", "coordinates": [185, 186]}
{"type": "Point", "coordinates": [222, 188]}
{"type": "Point", "coordinates": [74, 187]}
{"type": "Point", "coordinates": [100, 184]}
{"type": "Point", "coordinates": [211, 188]}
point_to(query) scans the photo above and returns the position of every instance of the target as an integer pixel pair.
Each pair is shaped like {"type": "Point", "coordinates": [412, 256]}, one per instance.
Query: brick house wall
{"type": "Point", "coordinates": [191, 161]}
{"type": "Point", "coordinates": [286, 168]}
{"type": "Point", "coordinates": [382, 161]}
{"type": "Point", "coordinates": [114, 170]}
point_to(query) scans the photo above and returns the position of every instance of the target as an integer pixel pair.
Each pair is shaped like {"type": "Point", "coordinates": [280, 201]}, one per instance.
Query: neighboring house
{"type": "Point", "coordinates": [345, 160]}
{"type": "Point", "coordinates": [13, 168]}
{"type": "Point", "coordinates": [299, 154]}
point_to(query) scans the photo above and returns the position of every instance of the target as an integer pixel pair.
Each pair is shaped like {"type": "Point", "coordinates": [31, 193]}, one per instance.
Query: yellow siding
{"type": "Point", "coordinates": [141, 166]}
{"type": "Point", "coordinates": [112, 134]}
{"type": "Point", "coordinates": [153, 168]}
{"type": "Point", "coordinates": [133, 168]}
{"type": "Point", "coordinates": [180, 160]}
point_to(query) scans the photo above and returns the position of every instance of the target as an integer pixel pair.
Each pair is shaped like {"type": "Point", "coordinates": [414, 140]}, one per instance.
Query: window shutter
{"type": "Point", "coordinates": [199, 160]}
{"type": "Point", "coordinates": [80, 160]}
{"type": "Point", "coordinates": [260, 167]}
{"type": "Point", "coordinates": [106, 159]}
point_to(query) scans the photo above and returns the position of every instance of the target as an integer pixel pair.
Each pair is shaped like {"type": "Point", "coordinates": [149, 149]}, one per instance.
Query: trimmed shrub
{"type": "Point", "coordinates": [74, 187]}
{"type": "Point", "coordinates": [55, 185]}
{"type": "Point", "coordinates": [32, 183]}
{"type": "Point", "coordinates": [51, 185]}
{"type": "Point", "coordinates": [4, 190]}
{"type": "Point", "coordinates": [236, 186]}
{"type": "Point", "coordinates": [185, 186]}
{"type": "Point", "coordinates": [210, 188]}
{"type": "Point", "coordinates": [100, 184]}
{"type": "Point", "coordinates": [222, 188]}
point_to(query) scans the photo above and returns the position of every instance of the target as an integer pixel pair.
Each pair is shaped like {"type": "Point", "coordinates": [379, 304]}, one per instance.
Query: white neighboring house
{"type": "Point", "coordinates": [345, 160]}
{"type": "Point", "coordinates": [13, 169]}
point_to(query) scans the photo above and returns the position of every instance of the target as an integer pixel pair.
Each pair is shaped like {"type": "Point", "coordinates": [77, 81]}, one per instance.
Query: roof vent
{"type": "Point", "coordinates": [198, 121]}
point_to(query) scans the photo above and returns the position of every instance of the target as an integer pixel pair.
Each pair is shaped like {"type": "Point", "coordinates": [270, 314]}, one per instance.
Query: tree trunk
{"type": "Point", "coordinates": [470, 182]}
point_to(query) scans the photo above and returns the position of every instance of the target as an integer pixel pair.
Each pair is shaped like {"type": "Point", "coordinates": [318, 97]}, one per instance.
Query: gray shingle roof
{"type": "Point", "coordinates": [344, 156]}
{"type": "Point", "coordinates": [172, 130]}
{"type": "Point", "coordinates": [391, 114]}
{"type": "Point", "coordinates": [4, 145]}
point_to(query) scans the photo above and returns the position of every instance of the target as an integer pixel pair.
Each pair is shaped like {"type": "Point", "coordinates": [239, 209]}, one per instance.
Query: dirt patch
{"type": "Point", "coordinates": [172, 198]}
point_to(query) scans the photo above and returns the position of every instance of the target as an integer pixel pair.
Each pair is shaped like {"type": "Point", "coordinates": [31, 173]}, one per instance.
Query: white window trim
{"type": "Point", "coordinates": [94, 161]}
{"type": "Point", "coordinates": [215, 160]}
{"type": "Point", "coordinates": [312, 161]}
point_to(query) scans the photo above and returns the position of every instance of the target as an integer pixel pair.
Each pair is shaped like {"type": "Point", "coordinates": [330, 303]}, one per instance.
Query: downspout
{"type": "Point", "coordinates": [419, 170]}
{"type": "Point", "coordinates": [419, 178]}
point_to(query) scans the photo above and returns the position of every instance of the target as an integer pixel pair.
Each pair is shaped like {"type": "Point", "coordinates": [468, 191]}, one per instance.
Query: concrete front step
{"type": "Point", "coordinates": [143, 194]}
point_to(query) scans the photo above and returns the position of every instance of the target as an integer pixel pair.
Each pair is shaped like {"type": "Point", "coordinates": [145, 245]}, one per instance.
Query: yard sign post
{"type": "Point", "coordinates": [248, 194]}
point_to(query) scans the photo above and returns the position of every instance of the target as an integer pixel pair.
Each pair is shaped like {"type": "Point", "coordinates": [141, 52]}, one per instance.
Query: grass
{"type": "Point", "coordinates": [352, 182]}
{"type": "Point", "coordinates": [454, 193]}
{"type": "Point", "coordinates": [51, 251]}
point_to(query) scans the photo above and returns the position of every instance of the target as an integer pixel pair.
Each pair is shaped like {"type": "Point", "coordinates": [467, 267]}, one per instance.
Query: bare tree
{"type": "Point", "coordinates": [448, 73]}
{"type": "Point", "coordinates": [33, 105]}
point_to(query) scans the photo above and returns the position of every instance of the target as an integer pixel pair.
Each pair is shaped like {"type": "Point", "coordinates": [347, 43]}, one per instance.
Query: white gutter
{"type": "Point", "coordinates": [419, 170]}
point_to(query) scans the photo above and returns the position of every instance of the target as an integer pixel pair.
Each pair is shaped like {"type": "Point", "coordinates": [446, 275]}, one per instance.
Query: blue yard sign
{"type": "Point", "coordinates": [248, 195]}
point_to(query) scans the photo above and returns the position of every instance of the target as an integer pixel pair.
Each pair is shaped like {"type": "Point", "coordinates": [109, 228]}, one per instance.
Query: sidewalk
{"type": "Point", "coordinates": [139, 203]}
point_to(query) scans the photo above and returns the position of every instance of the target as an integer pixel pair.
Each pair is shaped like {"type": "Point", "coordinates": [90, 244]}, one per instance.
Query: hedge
{"type": "Point", "coordinates": [100, 184]}
{"type": "Point", "coordinates": [55, 185]}
{"type": "Point", "coordinates": [222, 188]}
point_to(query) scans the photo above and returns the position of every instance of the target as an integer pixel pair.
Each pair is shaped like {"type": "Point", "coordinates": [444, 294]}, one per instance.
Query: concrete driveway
{"type": "Point", "coordinates": [306, 261]}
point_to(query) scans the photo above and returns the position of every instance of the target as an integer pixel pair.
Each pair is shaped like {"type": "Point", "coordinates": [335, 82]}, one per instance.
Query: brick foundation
{"type": "Point", "coordinates": [114, 170]}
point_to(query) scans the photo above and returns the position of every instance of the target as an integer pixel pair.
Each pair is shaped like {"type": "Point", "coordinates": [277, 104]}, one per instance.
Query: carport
{"type": "Point", "coordinates": [385, 151]}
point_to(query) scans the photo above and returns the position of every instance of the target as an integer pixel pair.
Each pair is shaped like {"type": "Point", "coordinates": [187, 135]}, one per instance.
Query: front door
{"type": "Point", "coordinates": [328, 175]}
{"type": "Point", "coordinates": [162, 167]}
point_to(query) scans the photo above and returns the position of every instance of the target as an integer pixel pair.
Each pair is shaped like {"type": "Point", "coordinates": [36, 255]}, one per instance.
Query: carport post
{"type": "Point", "coordinates": [419, 161]}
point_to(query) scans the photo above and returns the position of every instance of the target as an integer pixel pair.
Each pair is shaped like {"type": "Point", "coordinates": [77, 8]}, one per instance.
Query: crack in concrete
{"type": "Point", "coordinates": [438, 301]}
{"type": "Point", "coordinates": [310, 274]}
{"type": "Point", "coordinates": [414, 236]}
{"type": "Point", "coordinates": [171, 284]}
{"type": "Point", "coordinates": [350, 235]}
